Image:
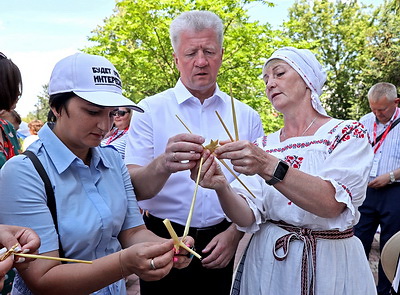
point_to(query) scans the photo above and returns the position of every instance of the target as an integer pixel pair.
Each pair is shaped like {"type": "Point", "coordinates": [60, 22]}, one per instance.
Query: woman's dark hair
{"type": "Point", "coordinates": [10, 83]}
{"type": "Point", "coordinates": [58, 102]}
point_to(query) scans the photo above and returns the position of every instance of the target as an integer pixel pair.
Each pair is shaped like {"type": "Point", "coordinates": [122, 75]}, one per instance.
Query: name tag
{"type": "Point", "coordinates": [374, 169]}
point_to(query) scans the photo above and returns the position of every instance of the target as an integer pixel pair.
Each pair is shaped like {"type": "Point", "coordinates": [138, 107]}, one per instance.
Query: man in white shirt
{"type": "Point", "coordinates": [382, 205]}
{"type": "Point", "coordinates": [160, 153]}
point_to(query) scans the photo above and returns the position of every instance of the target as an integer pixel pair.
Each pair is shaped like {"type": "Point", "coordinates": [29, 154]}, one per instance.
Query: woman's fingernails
{"type": "Point", "coordinates": [175, 259]}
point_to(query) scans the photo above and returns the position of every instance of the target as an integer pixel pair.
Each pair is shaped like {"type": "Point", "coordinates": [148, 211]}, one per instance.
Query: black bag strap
{"type": "Point", "coordinates": [51, 200]}
{"type": "Point", "coordinates": [395, 122]}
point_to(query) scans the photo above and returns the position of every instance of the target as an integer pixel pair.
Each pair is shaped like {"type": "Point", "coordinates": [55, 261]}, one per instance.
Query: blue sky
{"type": "Point", "coordinates": [36, 34]}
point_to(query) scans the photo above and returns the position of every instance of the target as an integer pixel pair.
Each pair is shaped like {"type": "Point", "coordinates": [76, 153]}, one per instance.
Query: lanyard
{"type": "Point", "coordinates": [115, 135]}
{"type": "Point", "coordinates": [377, 146]}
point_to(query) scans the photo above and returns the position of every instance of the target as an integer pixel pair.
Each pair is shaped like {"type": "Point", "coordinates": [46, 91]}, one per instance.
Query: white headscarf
{"type": "Point", "coordinates": [303, 61]}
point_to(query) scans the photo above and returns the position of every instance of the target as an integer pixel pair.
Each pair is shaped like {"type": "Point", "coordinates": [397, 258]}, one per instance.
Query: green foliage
{"type": "Point", "coordinates": [42, 107]}
{"type": "Point", "coordinates": [384, 46]}
{"type": "Point", "coordinates": [357, 45]}
{"type": "Point", "coordinates": [136, 39]}
{"type": "Point", "coordinates": [337, 32]}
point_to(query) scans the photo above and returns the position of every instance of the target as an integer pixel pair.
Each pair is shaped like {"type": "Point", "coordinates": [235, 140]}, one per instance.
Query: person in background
{"type": "Point", "coordinates": [23, 131]}
{"type": "Point", "coordinates": [34, 127]}
{"type": "Point", "coordinates": [25, 239]}
{"type": "Point", "coordinates": [381, 206]}
{"type": "Point", "coordinates": [97, 213]}
{"type": "Point", "coordinates": [10, 91]}
{"type": "Point", "coordinates": [159, 155]}
{"type": "Point", "coordinates": [117, 135]}
{"type": "Point", "coordinates": [307, 188]}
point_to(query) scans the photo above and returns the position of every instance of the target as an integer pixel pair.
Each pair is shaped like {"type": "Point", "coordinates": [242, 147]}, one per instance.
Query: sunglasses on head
{"type": "Point", "coordinates": [2, 55]}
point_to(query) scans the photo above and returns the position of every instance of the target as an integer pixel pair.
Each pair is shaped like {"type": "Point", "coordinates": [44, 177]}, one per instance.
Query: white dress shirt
{"type": "Point", "coordinates": [388, 154]}
{"type": "Point", "coordinates": [148, 136]}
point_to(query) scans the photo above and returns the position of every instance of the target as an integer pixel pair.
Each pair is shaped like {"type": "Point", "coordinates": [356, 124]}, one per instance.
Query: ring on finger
{"type": "Point", "coordinates": [152, 265]}
{"type": "Point", "coordinates": [174, 157]}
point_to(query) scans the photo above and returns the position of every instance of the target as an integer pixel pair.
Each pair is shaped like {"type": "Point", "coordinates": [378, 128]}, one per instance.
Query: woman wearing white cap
{"type": "Point", "coordinates": [96, 210]}
{"type": "Point", "coordinates": [309, 178]}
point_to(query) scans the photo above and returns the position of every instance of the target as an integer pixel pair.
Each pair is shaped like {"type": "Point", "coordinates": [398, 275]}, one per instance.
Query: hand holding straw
{"type": "Point", "coordinates": [223, 163]}
{"type": "Point", "coordinates": [178, 243]}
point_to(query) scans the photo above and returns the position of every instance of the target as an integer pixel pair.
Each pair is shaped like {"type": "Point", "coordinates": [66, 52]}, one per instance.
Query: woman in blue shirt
{"type": "Point", "coordinates": [96, 207]}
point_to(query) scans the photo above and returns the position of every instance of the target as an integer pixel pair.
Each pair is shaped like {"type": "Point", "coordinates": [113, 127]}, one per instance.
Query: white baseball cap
{"type": "Point", "coordinates": [91, 77]}
{"type": "Point", "coordinates": [390, 256]}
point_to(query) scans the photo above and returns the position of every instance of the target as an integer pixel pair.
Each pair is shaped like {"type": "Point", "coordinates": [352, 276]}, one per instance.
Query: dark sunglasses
{"type": "Point", "coordinates": [2, 55]}
{"type": "Point", "coordinates": [121, 113]}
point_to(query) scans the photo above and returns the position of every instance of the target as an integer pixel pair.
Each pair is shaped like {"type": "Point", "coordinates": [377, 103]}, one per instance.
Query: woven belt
{"type": "Point", "coordinates": [309, 238]}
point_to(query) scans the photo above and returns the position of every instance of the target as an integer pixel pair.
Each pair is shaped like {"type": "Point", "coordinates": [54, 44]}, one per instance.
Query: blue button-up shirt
{"type": "Point", "coordinates": [94, 203]}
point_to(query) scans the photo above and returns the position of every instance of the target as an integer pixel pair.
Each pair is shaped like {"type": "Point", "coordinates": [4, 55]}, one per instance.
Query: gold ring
{"type": "Point", "coordinates": [152, 266]}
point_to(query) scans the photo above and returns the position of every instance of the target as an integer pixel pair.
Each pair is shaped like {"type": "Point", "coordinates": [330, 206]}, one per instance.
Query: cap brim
{"type": "Point", "coordinates": [108, 99]}
{"type": "Point", "coordinates": [390, 256]}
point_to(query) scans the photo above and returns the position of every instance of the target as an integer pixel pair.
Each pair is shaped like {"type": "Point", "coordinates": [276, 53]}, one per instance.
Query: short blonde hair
{"type": "Point", "coordinates": [34, 126]}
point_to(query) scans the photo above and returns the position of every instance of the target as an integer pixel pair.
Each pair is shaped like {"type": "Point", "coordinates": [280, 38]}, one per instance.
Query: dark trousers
{"type": "Point", "coordinates": [381, 207]}
{"type": "Point", "coordinates": [194, 279]}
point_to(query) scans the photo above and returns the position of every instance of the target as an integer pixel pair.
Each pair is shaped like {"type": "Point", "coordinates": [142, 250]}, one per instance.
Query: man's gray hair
{"type": "Point", "coordinates": [382, 89]}
{"type": "Point", "coordinates": [195, 20]}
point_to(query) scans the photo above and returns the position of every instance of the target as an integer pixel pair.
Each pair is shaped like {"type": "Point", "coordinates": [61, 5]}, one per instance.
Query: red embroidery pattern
{"type": "Point", "coordinates": [294, 161]}
{"type": "Point", "coordinates": [347, 190]}
{"type": "Point", "coordinates": [350, 130]}
{"type": "Point", "coordinates": [299, 145]}
{"type": "Point", "coordinates": [355, 130]}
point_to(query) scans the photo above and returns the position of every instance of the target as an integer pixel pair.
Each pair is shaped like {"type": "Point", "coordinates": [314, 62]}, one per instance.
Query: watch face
{"type": "Point", "coordinates": [279, 174]}
{"type": "Point", "coordinates": [281, 170]}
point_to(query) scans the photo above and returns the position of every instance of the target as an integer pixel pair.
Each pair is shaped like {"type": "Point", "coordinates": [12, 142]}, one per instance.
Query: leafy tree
{"type": "Point", "coordinates": [42, 107]}
{"type": "Point", "coordinates": [136, 39]}
{"type": "Point", "coordinates": [384, 47]}
{"type": "Point", "coordinates": [337, 32]}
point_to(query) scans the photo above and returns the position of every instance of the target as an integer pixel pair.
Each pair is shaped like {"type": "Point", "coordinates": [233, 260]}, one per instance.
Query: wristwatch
{"type": "Point", "coordinates": [279, 173]}
{"type": "Point", "coordinates": [392, 178]}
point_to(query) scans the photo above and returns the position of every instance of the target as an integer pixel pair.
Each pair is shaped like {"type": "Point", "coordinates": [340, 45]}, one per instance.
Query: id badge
{"type": "Point", "coordinates": [374, 169]}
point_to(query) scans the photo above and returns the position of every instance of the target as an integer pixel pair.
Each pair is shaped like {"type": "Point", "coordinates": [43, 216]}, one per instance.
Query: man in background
{"type": "Point", "coordinates": [382, 204]}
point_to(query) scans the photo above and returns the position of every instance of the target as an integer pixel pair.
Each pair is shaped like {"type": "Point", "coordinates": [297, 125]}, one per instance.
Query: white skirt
{"type": "Point", "coordinates": [342, 267]}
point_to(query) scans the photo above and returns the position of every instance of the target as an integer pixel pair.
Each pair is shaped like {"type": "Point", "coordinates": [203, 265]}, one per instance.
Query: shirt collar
{"type": "Point", "coordinates": [182, 94]}
{"type": "Point", "coordinates": [60, 155]}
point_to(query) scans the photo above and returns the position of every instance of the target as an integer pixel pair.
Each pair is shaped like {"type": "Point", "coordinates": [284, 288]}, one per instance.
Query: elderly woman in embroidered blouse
{"type": "Point", "coordinates": [309, 178]}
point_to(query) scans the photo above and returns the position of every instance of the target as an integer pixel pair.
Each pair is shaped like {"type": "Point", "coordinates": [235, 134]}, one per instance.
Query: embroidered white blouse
{"type": "Point", "coordinates": [338, 152]}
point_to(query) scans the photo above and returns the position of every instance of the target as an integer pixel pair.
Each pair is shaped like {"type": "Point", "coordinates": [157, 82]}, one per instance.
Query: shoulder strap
{"type": "Point", "coordinates": [51, 201]}
{"type": "Point", "coordinates": [395, 122]}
